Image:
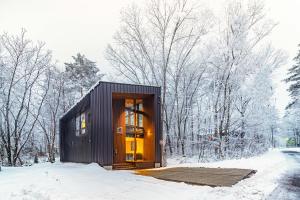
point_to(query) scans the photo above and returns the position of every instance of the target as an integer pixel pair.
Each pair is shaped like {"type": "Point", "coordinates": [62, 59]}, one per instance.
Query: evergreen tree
{"type": "Point", "coordinates": [292, 110]}
{"type": "Point", "coordinates": [294, 80]}
{"type": "Point", "coordinates": [82, 72]}
{"type": "Point", "coordinates": [80, 76]}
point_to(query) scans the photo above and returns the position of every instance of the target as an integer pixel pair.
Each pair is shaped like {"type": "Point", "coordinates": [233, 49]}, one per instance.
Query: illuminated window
{"type": "Point", "coordinates": [134, 140]}
{"type": "Point", "coordinates": [139, 106]}
{"type": "Point", "coordinates": [83, 123]}
{"type": "Point", "coordinates": [140, 120]}
{"type": "Point", "coordinates": [126, 117]}
{"type": "Point", "coordinates": [80, 124]}
{"type": "Point", "coordinates": [132, 145]}
{"type": "Point", "coordinates": [129, 118]}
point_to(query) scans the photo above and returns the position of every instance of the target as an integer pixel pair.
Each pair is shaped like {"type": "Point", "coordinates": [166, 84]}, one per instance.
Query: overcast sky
{"type": "Point", "coordinates": [87, 26]}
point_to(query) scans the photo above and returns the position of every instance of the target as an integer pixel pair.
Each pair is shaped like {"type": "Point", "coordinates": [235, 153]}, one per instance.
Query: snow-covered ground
{"type": "Point", "coordinates": [78, 181]}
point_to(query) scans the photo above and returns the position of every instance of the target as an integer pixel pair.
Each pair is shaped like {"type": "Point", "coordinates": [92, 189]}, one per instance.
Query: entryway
{"type": "Point", "coordinates": [133, 128]}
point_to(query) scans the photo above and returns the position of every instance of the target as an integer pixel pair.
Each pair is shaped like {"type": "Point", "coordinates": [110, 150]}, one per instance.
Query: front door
{"type": "Point", "coordinates": [128, 130]}
{"type": "Point", "coordinates": [134, 140]}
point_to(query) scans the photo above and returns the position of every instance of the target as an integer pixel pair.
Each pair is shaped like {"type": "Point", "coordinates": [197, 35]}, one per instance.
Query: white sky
{"type": "Point", "coordinates": [87, 26]}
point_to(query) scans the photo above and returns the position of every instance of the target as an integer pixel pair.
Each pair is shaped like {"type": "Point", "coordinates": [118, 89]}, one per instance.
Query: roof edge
{"type": "Point", "coordinates": [96, 85]}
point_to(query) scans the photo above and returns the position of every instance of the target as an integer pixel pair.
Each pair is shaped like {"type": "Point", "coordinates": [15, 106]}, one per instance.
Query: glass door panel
{"type": "Point", "coordinates": [134, 130]}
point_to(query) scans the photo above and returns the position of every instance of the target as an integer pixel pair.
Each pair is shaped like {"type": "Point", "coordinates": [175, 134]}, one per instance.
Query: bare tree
{"type": "Point", "coordinates": [155, 42]}
{"type": "Point", "coordinates": [207, 73]}
{"type": "Point", "coordinates": [235, 59]}
{"type": "Point", "coordinates": [25, 64]}
{"type": "Point", "coordinates": [187, 85]}
{"type": "Point", "coordinates": [52, 109]}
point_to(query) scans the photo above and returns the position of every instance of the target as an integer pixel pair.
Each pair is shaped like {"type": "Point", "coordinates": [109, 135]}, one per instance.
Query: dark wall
{"type": "Point", "coordinates": [100, 137]}
{"type": "Point", "coordinates": [118, 108]}
{"type": "Point", "coordinates": [75, 148]}
{"type": "Point", "coordinates": [149, 125]}
{"type": "Point", "coordinates": [101, 106]}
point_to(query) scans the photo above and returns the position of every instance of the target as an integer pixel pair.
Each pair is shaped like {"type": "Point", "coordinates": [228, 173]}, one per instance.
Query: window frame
{"type": "Point", "coordinates": [77, 125]}
{"type": "Point", "coordinates": [79, 129]}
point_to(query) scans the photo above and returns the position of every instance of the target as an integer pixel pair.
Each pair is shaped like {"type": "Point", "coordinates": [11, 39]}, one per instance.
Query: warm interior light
{"type": "Point", "coordinates": [131, 146]}
{"type": "Point", "coordinates": [139, 145]}
{"type": "Point", "coordinates": [134, 129]}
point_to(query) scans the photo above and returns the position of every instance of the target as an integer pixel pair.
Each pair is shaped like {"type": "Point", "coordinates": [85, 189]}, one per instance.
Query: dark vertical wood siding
{"type": "Point", "coordinates": [100, 141]}
{"type": "Point", "coordinates": [118, 116]}
{"type": "Point", "coordinates": [149, 127]}
{"type": "Point", "coordinates": [76, 148]}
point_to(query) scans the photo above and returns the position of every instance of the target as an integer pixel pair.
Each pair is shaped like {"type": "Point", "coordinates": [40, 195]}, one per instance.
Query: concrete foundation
{"type": "Point", "coordinates": [108, 167]}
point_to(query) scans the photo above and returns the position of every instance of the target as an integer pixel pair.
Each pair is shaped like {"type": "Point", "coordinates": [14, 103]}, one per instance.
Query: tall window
{"type": "Point", "coordinates": [140, 120]}
{"type": "Point", "coordinates": [129, 117]}
{"type": "Point", "coordinates": [80, 122]}
{"type": "Point", "coordinates": [83, 123]}
{"type": "Point", "coordinates": [134, 140]}
{"type": "Point", "coordinates": [77, 120]}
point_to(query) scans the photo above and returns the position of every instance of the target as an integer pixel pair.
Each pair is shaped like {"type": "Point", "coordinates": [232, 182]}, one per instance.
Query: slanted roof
{"type": "Point", "coordinates": [84, 101]}
{"type": "Point", "coordinates": [85, 97]}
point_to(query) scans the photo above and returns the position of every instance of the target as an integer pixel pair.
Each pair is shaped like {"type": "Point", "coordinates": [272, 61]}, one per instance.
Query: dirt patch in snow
{"type": "Point", "coordinates": [200, 175]}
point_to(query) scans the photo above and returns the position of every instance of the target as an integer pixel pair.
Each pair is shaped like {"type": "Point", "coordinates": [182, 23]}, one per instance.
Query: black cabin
{"type": "Point", "coordinates": [116, 125]}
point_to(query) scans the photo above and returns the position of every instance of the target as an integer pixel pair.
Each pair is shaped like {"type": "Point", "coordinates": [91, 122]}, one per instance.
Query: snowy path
{"type": "Point", "coordinates": [289, 185]}
{"type": "Point", "coordinates": [78, 181]}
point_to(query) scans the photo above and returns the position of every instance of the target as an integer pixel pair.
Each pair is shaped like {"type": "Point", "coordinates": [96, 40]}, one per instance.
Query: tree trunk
{"type": "Point", "coordinates": [169, 144]}
{"type": "Point", "coordinates": [9, 155]}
